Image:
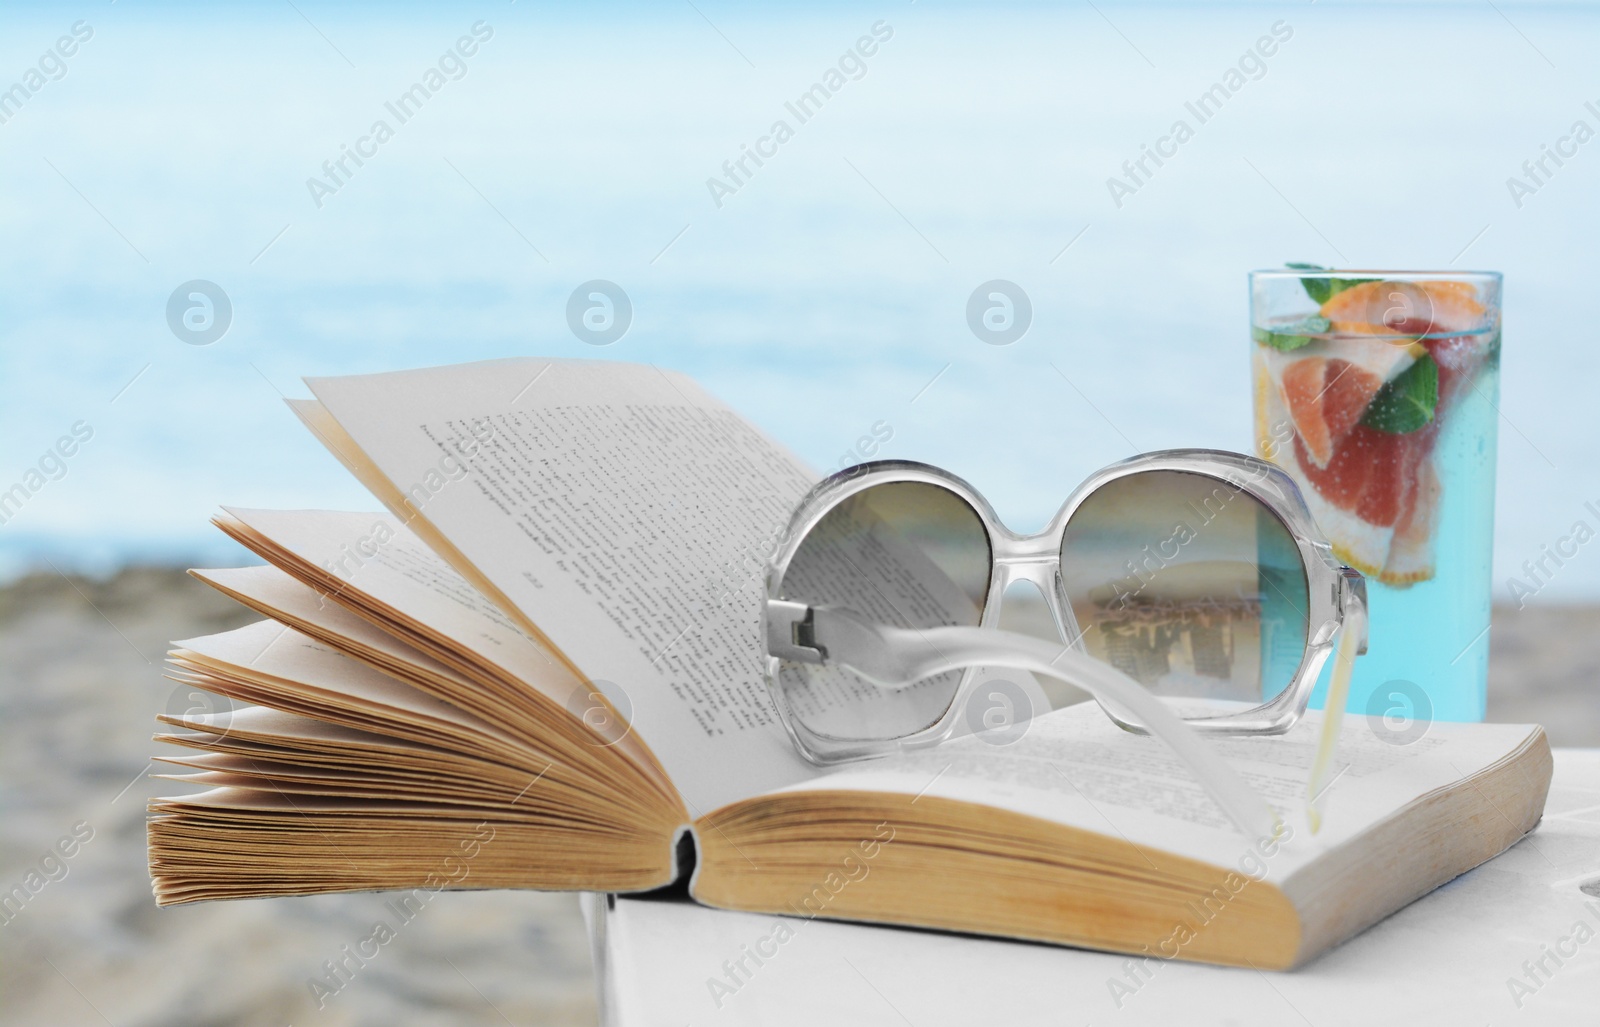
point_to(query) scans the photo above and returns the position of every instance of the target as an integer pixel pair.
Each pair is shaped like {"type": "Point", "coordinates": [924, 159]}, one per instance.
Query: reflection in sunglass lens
{"type": "Point", "coordinates": [907, 554]}
{"type": "Point", "coordinates": [1188, 584]}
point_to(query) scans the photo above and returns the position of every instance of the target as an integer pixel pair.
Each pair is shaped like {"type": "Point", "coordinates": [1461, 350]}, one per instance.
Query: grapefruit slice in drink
{"type": "Point", "coordinates": [1326, 395]}
{"type": "Point", "coordinates": [1404, 308]}
{"type": "Point", "coordinates": [1366, 498]}
{"type": "Point", "coordinates": [1411, 550]}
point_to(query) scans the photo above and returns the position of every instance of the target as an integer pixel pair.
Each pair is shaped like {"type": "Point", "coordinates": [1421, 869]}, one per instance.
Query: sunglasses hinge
{"type": "Point", "coordinates": [791, 632]}
{"type": "Point", "coordinates": [1353, 605]}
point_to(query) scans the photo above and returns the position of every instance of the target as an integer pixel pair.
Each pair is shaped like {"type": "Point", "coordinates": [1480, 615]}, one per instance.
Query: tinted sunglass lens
{"type": "Point", "coordinates": [1188, 584]}
{"type": "Point", "coordinates": [906, 554]}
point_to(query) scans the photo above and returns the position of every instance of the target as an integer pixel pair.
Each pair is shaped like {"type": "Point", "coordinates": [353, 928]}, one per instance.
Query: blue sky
{"type": "Point", "coordinates": [820, 298]}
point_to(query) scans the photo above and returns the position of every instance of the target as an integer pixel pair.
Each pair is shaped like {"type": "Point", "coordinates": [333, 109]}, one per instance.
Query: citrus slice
{"type": "Point", "coordinates": [1326, 398]}
{"type": "Point", "coordinates": [1355, 542]}
{"type": "Point", "coordinates": [1411, 551]}
{"type": "Point", "coordinates": [1268, 411]}
{"type": "Point", "coordinates": [1327, 386]}
{"type": "Point", "coordinates": [1404, 308]}
{"type": "Point", "coordinates": [1368, 494]}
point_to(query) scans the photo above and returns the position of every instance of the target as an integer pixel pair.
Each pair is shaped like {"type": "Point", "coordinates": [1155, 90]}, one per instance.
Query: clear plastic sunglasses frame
{"type": "Point", "coordinates": [893, 657]}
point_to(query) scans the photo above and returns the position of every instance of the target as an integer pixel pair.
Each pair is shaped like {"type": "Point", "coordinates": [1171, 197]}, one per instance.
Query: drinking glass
{"type": "Point", "coordinates": [1377, 392]}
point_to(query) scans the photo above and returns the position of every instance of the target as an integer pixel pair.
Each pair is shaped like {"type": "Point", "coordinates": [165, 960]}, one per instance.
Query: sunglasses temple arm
{"type": "Point", "coordinates": [1352, 642]}
{"type": "Point", "coordinates": [895, 657]}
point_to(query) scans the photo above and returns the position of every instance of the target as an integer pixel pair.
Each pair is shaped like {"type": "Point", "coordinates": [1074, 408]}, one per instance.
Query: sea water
{"type": "Point", "coordinates": [1428, 643]}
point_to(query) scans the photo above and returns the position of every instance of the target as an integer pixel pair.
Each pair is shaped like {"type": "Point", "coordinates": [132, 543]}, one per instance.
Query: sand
{"type": "Point", "coordinates": [82, 680]}
{"type": "Point", "coordinates": [82, 684]}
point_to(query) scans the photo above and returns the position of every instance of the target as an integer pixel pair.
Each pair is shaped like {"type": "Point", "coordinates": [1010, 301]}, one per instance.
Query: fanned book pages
{"type": "Point", "coordinates": [540, 668]}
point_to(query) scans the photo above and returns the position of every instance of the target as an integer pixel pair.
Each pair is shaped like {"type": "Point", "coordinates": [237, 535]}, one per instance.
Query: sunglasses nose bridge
{"type": "Point", "coordinates": [1031, 559]}
{"type": "Point", "coordinates": [1026, 551]}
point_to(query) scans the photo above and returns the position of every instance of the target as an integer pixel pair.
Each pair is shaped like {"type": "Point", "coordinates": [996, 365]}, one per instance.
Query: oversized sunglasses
{"type": "Point", "coordinates": [1177, 575]}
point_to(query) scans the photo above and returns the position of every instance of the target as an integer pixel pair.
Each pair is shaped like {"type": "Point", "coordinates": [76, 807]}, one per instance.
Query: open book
{"type": "Point", "coordinates": [541, 669]}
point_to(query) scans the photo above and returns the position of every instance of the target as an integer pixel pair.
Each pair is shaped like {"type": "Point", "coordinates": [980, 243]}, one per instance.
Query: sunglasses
{"type": "Point", "coordinates": [1192, 588]}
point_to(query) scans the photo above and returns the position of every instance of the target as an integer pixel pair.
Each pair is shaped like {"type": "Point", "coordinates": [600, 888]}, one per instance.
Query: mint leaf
{"type": "Point", "coordinates": [1316, 288]}
{"type": "Point", "coordinates": [1320, 289]}
{"type": "Point", "coordinates": [1406, 402]}
{"type": "Point", "coordinates": [1291, 336]}
{"type": "Point", "coordinates": [1338, 285]}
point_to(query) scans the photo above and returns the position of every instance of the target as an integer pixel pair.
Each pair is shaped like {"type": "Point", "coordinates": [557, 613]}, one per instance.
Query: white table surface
{"type": "Point", "coordinates": [1445, 959]}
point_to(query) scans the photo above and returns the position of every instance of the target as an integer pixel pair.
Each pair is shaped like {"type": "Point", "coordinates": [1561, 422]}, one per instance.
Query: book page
{"type": "Point", "coordinates": [266, 728]}
{"type": "Point", "coordinates": [1075, 767]}
{"type": "Point", "coordinates": [370, 555]}
{"type": "Point", "coordinates": [657, 957]}
{"type": "Point", "coordinates": [303, 666]}
{"type": "Point", "coordinates": [270, 590]}
{"type": "Point", "coordinates": [628, 515]}
{"type": "Point", "coordinates": [373, 554]}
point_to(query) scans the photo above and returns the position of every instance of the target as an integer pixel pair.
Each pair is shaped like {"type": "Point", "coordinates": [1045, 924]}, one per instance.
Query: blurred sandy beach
{"type": "Point", "coordinates": [82, 685]}
{"type": "Point", "coordinates": [82, 680]}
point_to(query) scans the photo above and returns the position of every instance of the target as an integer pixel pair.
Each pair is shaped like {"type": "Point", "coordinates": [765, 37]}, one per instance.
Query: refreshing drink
{"type": "Point", "coordinates": [1377, 392]}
